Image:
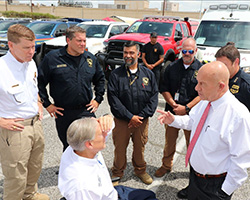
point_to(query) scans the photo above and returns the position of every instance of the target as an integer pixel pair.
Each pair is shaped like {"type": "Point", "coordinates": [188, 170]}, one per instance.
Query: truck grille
{"type": "Point", "coordinates": [115, 49]}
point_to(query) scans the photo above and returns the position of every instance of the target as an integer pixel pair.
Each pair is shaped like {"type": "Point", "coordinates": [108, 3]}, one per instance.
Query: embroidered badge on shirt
{"type": "Point", "coordinates": [155, 50]}
{"type": "Point", "coordinates": [234, 89]}
{"type": "Point", "coordinates": [90, 62]}
{"type": "Point", "coordinates": [145, 80]}
{"type": "Point", "coordinates": [195, 73]}
{"type": "Point", "coordinates": [62, 65]}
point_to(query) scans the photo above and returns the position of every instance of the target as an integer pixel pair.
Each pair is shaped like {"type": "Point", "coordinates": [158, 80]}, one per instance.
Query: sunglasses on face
{"type": "Point", "coordinates": [189, 51]}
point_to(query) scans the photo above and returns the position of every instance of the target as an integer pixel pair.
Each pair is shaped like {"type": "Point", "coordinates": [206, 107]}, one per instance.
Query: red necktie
{"type": "Point", "coordinates": [197, 133]}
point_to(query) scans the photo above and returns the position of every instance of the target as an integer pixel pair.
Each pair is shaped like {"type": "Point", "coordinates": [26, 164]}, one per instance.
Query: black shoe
{"type": "Point", "coordinates": [183, 194]}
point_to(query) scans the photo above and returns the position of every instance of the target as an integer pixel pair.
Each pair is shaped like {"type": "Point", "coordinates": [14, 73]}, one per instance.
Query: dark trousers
{"type": "Point", "coordinates": [157, 72]}
{"type": "Point", "coordinates": [128, 193]}
{"type": "Point", "coordinates": [63, 122]}
{"type": "Point", "coordinates": [206, 188]}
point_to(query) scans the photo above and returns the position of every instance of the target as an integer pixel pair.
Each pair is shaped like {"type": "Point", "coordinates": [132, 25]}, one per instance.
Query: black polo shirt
{"type": "Point", "coordinates": [152, 52]}
{"type": "Point", "coordinates": [177, 79]}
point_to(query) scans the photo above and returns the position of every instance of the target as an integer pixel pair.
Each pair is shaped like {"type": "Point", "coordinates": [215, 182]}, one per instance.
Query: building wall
{"type": "Point", "coordinates": [95, 13]}
{"type": "Point", "coordinates": [133, 4]}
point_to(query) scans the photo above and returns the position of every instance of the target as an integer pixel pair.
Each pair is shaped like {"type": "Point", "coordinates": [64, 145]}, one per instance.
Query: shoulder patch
{"type": "Point", "coordinates": [90, 62]}
{"type": "Point", "coordinates": [145, 80]}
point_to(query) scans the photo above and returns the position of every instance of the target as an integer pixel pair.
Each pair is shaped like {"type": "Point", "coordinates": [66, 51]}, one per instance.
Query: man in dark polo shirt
{"type": "Point", "coordinates": [153, 56]}
{"type": "Point", "coordinates": [178, 89]}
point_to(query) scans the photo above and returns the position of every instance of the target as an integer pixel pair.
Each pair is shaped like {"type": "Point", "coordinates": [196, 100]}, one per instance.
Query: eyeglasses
{"type": "Point", "coordinates": [189, 51]}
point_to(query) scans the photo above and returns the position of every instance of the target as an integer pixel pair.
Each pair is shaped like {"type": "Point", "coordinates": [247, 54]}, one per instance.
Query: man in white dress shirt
{"type": "Point", "coordinates": [83, 174]}
{"type": "Point", "coordinates": [221, 155]}
{"type": "Point", "coordinates": [21, 134]}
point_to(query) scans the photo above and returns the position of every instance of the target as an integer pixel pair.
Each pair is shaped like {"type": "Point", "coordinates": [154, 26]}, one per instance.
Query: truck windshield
{"type": "Point", "coordinates": [42, 28]}
{"type": "Point", "coordinates": [218, 33]}
{"type": "Point", "coordinates": [94, 31]}
{"type": "Point", "coordinates": [163, 29]}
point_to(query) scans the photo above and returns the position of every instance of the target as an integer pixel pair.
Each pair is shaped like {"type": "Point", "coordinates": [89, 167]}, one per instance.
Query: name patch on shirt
{"type": "Point", "coordinates": [234, 89]}
{"type": "Point", "coordinates": [62, 65]}
{"type": "Point", "coordinates": [90, 62]}
{"type": "Point", "coordinates": [145, 80]}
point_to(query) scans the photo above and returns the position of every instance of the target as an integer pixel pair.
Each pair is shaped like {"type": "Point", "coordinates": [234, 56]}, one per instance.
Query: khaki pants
{"type": "Point", "coordinates": [21, 159]}
{"type": "Point", "coordinates": [121, 136]}
{"type": "Point", "coordinates": [171, 136]}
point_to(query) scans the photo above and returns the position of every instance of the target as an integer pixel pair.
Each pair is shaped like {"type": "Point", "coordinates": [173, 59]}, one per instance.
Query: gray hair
{"type": "Point", "coordinates": [80, 131]}
{"type": "Point", "coordinates": [70, 32]}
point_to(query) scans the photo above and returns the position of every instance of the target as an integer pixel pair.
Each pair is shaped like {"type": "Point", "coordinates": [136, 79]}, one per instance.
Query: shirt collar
{"type": "Point", "coordinates": [215, 104]}
{"type": "Point", "coordinates": [87, 161]}
{"type": "Point", "coordinates": [16, 64]}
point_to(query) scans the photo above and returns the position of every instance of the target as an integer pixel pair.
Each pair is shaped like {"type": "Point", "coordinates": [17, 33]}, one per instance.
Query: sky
{"type": "Point", "coordinates": [184, 5]}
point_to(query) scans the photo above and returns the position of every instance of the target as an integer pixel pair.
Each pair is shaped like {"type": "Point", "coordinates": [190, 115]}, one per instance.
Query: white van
{"type": "Point", "coordinates": [225, 23]}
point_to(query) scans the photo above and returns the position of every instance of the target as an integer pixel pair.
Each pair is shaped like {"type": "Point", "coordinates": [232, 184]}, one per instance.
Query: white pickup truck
{"type": "Point", "coordinates": [96, 33]}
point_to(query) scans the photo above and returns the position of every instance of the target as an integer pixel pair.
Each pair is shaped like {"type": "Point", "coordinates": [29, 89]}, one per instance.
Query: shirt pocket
{"type": "Point", "coordinates": [212, 140]}
{"type": "Point", "coordinates": [17, 94]}
{"type": "Point", "coordinates": [145, 92]}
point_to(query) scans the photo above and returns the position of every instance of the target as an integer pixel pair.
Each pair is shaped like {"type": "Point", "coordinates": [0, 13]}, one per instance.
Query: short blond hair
{"type": "Point", "coordinates": [17, 31]}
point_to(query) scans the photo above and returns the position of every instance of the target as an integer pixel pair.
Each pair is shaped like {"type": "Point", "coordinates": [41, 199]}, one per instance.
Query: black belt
{"type": "Point", "coordinates": [210, 176]}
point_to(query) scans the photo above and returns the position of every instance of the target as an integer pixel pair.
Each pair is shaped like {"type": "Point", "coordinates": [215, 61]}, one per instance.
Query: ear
{"type": "Point", "coordinates": [221, 85]}
{"type": "Point", "coordinates": [88, 145]}
{"type": "Point", "coordinates": [10, 44]}
{"type": "Point", "coordinates": [236, 62]}
{"type": "Point", "coordinates": [67, 40]}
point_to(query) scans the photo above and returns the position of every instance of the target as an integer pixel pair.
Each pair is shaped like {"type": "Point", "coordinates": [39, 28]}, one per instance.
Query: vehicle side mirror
{"type": "Point", "coordinates": [59, 33]}
{"type": "Point", "coordinates": [111, 34]}
{"type": "Point", "coordinates": [178, 37]}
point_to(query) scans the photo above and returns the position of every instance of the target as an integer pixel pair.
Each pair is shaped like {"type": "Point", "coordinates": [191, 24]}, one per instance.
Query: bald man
{"type": "Point", "coordinates": [221, 155]}
{"type": "Point", "coordinates": [178, 89]}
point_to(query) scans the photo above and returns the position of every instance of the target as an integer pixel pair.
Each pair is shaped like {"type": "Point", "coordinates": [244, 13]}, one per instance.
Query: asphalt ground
{"type": "Point", "coordinates": [165, 188]}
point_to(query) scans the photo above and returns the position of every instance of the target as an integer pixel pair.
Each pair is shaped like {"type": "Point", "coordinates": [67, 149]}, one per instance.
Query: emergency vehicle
{"type": "Point", "coordinates": [171, 33]}
{"type": "Point", "coordinates": [225, 23]}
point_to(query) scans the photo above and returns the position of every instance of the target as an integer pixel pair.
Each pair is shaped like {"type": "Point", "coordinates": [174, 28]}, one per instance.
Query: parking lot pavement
{"type": "Point", "coordinates": [165, 188]}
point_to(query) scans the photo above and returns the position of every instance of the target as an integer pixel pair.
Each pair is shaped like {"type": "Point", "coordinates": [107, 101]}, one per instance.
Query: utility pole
{"type": "Point", "coordinates": [200, 9]}
{"type": "Point", "coordinates": [6, 5]}
{"type": "Point", "coordinates": [164, 5]}
{"type": "Point", "coordinates": [31, 6]}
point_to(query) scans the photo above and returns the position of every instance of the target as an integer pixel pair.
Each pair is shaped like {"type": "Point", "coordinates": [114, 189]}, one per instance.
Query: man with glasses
{"type": "Point", "coordinates": [178, 89]}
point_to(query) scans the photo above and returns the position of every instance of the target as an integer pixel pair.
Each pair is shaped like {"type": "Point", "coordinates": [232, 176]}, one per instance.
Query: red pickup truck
{"type": "Point", "coordinates": [171, 33]}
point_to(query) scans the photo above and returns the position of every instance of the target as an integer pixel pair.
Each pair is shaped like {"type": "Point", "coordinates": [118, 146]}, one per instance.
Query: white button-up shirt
{"type": "Point", "coordinates": [83, 178]}
{"type": "Point", "coordinates": [18, 88]}
{"type": "Point", "coordinates": [224, 141]}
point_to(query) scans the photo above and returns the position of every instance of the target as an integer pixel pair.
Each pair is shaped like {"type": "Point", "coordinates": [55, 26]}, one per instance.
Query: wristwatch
{"type": "Point", "coordinates": [187, 109]}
